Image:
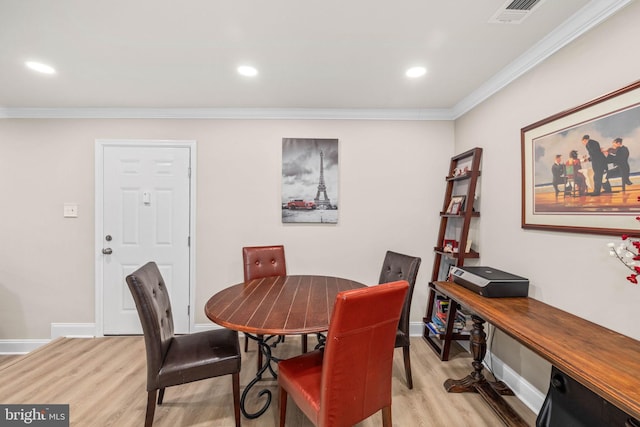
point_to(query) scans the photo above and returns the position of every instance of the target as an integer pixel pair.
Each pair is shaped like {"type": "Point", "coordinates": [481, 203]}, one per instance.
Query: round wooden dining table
{"type": "Point", "coordinates": [274, 306]}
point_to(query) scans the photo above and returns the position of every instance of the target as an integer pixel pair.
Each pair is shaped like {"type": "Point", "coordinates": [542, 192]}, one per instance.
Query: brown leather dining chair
{"type": "Point", "coordinates": [179, 359]}
{"type": "Point", "coordinates": [398, 266]}
{"type": "Point", "coordinates": [265, 261]}
{"type": "Point", "coordinates": [350, 379]}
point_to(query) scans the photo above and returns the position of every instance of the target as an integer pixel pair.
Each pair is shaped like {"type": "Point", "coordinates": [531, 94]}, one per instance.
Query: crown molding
{"type": "Point", "coordinates": [226, 113]}
{"type": "Point", "coordinates": [594, 13]}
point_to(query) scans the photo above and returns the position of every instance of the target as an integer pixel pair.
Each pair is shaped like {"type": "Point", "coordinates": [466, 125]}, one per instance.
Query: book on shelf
{"type": "Point", "coordinates": [438, 323]}
{"type": "Point", "coordinates": [458, 324]}
{"type": "Point", "coordinates": [465, 318]}
{"type": "Point", "coordinates": [442, 305]}
{"type": "Point", "coordinates": [433, 328]}
{"type": "Point", "coordinates": [440, 330]}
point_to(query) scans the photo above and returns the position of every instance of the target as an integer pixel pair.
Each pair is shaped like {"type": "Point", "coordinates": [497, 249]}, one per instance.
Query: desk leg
{"type": "Point", "coordinates": [476, 382]}
{"type": "Point", "coordinates": [478, 343]}
{"type": "Point", "coordinates": [265, 349]}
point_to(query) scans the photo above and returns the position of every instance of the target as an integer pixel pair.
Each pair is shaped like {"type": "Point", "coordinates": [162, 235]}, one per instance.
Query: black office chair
{"type": "Point", "coordinates": [174, 360]}
{"type": "Point", "coordinates": [395, 267]}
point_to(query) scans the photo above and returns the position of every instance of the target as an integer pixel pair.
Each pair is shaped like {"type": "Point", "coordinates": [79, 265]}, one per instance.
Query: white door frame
{"type": "Point", "coordinates": [98, 232]}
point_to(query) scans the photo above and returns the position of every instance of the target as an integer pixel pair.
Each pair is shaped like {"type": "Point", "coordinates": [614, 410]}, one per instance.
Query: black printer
{"type": "Point", "coordinates": [491, 282]}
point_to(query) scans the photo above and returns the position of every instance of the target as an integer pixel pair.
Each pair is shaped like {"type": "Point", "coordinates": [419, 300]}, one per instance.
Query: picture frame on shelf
{"type": "Point", "coordinates": [449, 245]}
{"type": "Point", "coordinates": [455, 205]}
{"type": "Point", "coordinates": [593, 199]}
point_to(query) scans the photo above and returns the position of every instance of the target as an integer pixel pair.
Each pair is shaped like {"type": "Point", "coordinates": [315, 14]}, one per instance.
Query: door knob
{"type": "Point", "coordinates": [107, 251]}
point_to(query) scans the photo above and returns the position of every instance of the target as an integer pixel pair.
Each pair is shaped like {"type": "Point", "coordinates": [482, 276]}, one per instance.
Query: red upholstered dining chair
{"type": "Point", "coordinates": [265, 261]}
{"type": "Point", "coordinates": [179, 359]}
{"type": "Point", "coordinates": [398, 266]}
{"type": "Point", "coordinates": [350, 379]}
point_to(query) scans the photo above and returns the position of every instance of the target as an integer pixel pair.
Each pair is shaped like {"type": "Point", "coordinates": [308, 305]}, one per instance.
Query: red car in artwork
{"type": "Point", "coordinates": [301, 204]}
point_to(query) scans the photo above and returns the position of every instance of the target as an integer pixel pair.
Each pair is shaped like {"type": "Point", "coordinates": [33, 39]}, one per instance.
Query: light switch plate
{"type": "Point", "coordinates": [70, 210]}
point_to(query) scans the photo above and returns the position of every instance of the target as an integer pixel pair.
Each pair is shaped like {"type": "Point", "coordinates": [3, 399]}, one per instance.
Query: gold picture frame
{"type": "Point", "coordinates": [545, 206]}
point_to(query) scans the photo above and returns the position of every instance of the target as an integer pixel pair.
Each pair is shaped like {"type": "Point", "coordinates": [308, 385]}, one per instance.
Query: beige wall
{"type": "Point", "coordinates": [570, 271]}
{"type": "Point", "coordinates": [391, 189]}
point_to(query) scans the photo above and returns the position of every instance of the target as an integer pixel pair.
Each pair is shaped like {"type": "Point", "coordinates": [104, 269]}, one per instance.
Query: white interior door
{"type": "Point", "coordinates": [146, 213]}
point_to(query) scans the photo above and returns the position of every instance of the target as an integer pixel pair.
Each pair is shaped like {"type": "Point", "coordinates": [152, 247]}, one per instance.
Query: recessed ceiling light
{"type": "Point", "coordinates": [416, 72]}
{"type": "Point", "coordinates": [40, 67]}
{"type": "Point", "coordinates": [248, 71]}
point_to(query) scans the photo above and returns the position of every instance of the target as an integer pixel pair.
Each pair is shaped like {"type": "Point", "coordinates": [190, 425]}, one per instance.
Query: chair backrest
{"type": "Point", "coordinates": [358, 354]}
{"type": "Point", "coordinates": [154, 309]}
{"type": "Point", "coordinates": [398, 266]}
{"type": "Point", "coordinates": [263, 261]}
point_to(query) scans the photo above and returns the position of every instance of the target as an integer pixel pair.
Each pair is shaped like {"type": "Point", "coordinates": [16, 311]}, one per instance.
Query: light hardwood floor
{"type": "Point", "coordinates": [103, 381]}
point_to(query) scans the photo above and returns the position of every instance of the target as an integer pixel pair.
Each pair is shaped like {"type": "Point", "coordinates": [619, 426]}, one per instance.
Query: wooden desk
{"type": "Point", "coordinates": [272, 306]}
{"type": "Point", "coordinates": [602, 360]}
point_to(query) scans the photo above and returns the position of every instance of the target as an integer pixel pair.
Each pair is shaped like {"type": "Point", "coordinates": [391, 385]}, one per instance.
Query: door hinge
{"type": "Point", "coordinates": [188, 310]}
{"type": "Point", "coordinates": [189, 241]}
{"type": "Point", "coordinates": [189, 172]}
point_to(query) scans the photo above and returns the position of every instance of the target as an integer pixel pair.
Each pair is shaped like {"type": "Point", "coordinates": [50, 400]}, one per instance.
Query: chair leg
{"type": "Point", "coordinates": [304, 344]}
{"type": "Point", "coordinates": [161, 396]}
{"type": "Point", "coordinates": [235, 379]}
{"type": "Point", "coordinates": [151, 408]}
{"type": "Point", "coordinates": [246, 343]}
{"type": "Point", "coordinates": [283, 406]}
{"type": "Point", "coordinates": [407, 366]}
{"type": "Point", "coordinates": [386, 416]}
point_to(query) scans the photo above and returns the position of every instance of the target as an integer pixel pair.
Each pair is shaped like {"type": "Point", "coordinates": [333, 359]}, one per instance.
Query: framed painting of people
{"type": "Point", "coordinates": [309, 180]}
{"type": "Point", "coordinates": [581, 167]}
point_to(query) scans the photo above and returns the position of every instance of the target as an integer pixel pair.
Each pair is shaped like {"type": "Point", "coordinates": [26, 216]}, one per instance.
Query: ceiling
{"type": "Point", "coordinates": [180, 57]}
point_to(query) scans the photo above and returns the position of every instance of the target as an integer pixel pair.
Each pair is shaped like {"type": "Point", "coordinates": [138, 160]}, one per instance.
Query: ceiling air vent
{"type": "Point", "coordinates": [515, 11]}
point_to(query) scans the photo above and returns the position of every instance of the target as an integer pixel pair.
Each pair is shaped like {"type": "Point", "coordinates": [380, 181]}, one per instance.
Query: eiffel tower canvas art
{"type": "Point", "coordinates": [309, 180]}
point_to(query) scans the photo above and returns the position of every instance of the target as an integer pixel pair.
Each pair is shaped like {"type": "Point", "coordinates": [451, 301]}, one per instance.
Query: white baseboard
{"type": "Point", "coordinates": [20, 346]}
{"type": "Point", "coordinates": [416, 329]}
{"type": "Point", "coordinates": [527, 393]}
{"type": "Point", "coordinates": [73, 330]}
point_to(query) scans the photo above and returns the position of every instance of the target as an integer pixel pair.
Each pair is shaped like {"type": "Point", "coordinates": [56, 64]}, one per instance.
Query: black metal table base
{"type": "Point", "coordinates": [264, 346]}
{"type": "Point", "coordinates": [321, 341]}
